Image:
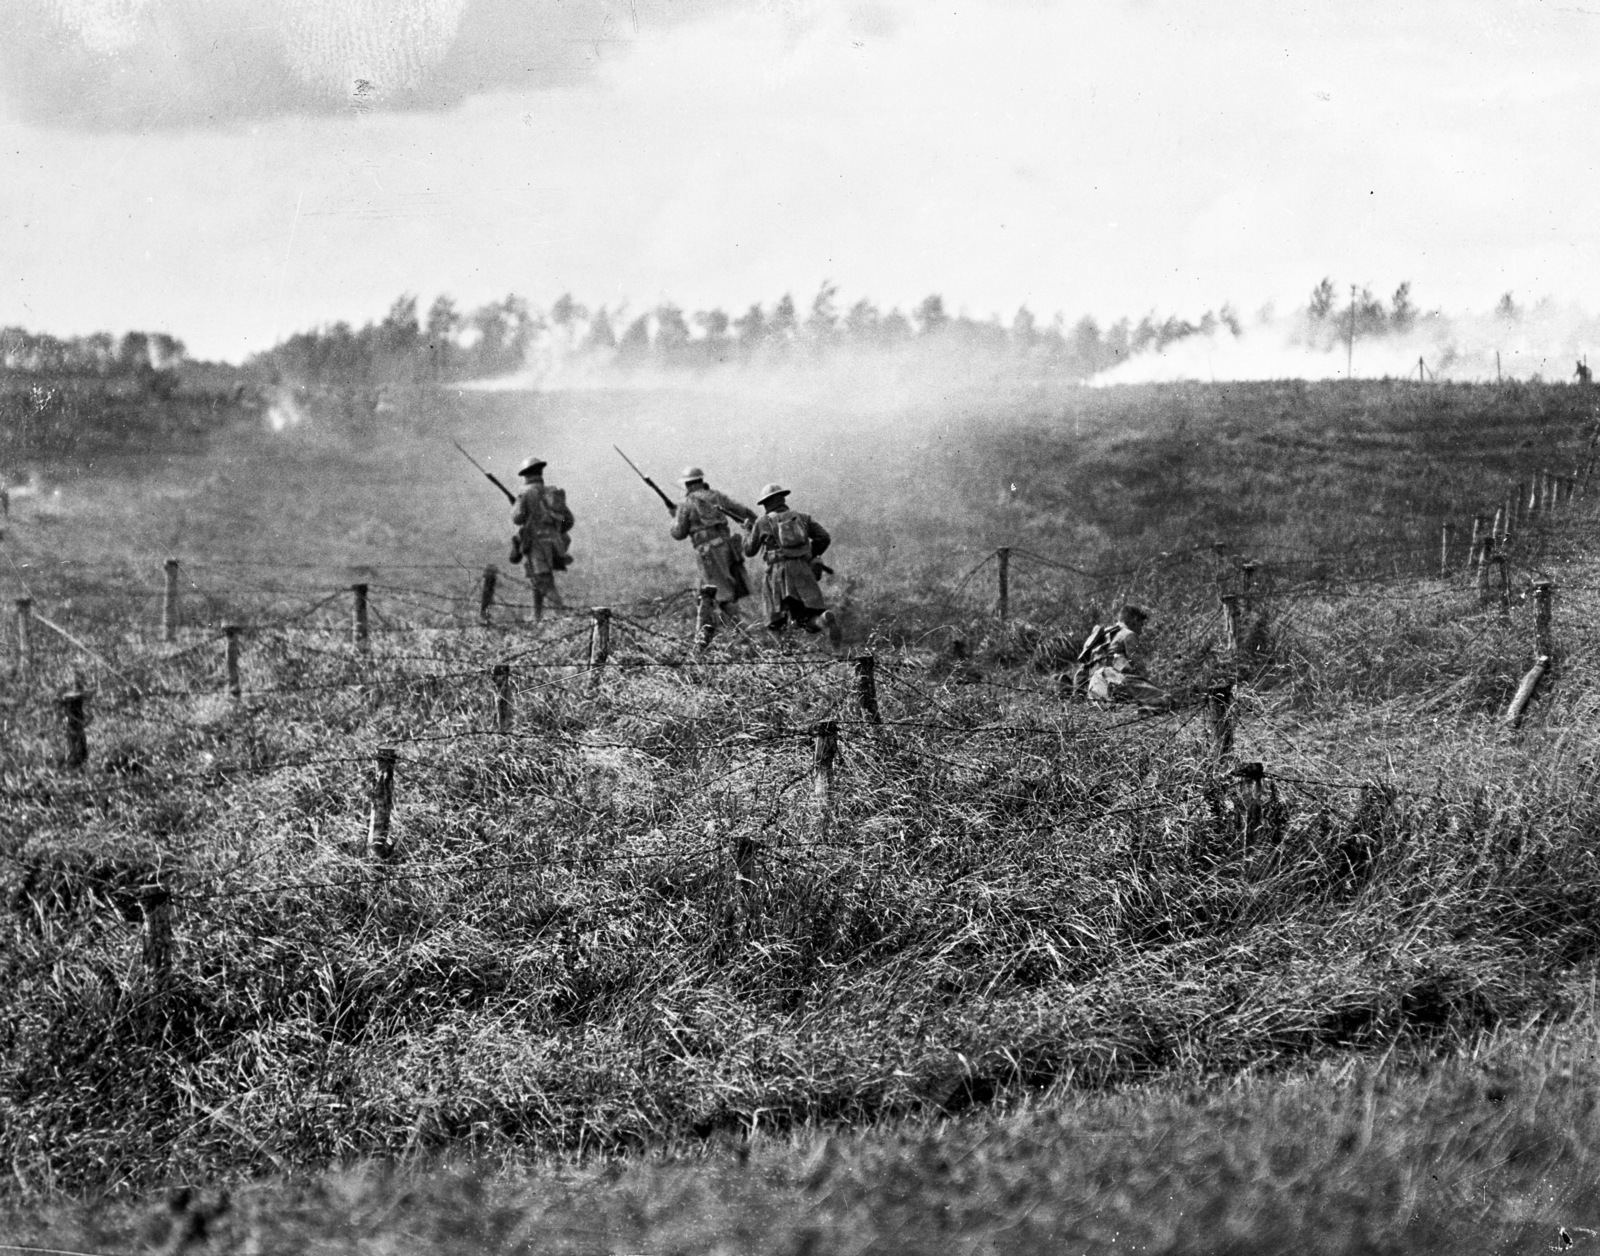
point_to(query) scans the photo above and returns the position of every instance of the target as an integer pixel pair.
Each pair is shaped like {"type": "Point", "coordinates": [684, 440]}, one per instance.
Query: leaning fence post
{"type": "Point", "coordinates": [24, 635]}
{"type": "Point", "coordinates": [491, 576]}
{"type": "Point", "coordinates": [379, 843]}
{"type": "Point", "coordinates": [1475, 552]}
{"type": "Point", "coordinates": [1498, 528]}
{"type": "Point", "coordinates": [867, 687]}
{"type": "Point", "coordinates": [1485, 557]}
{"type": "Point", "coordinates": [599, 639]}
{"type": "Point", "coordinates": [169, 601]}
{"type": "Point", "coordinates": [72, 706]}
{"type": "Point", "coordinates": [824, 749]}
{"type": "Point", "coordinates": [358, 626]}
{"type": "Point", "coordinates": [230, 634]}
{"type": "Point", "coordinates": [1444, 548]}
{"type": "Point", "coordinates": [1525, 691]}
{"type": "Point", "coordinates": [705, 616]}
{"type": "Point", "coordinates": [1541, 619]}
{"type": "Point", "coordinates": [1219, 709]}
{"type": "Point", "coordinates": [1505, 579]}
{"type": "Point", "coordinates": [502, 697]}
{"type": "Point", "coordinates": [1003, 566]}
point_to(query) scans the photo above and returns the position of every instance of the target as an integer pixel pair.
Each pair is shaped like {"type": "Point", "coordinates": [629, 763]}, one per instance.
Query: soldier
{"type": "Point", "coordinates": [792, 541]}
{"type": "Point", "coordinates": [1109, 662]}
{"type": "Point", "coordinates": [541, 544]}
{"type": "Point", "coordinates": [1585, 376]}
{"type": "Point", "coordinates": [702, 518]}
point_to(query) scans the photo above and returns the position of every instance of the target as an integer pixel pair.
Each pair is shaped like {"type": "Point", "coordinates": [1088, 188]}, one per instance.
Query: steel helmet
{"type": "Point", "coordinates": [691, 474]}
{"type": "Point", "coordinates": [532, 466]}
{"type": "Point", "coordinates": [770, 491]}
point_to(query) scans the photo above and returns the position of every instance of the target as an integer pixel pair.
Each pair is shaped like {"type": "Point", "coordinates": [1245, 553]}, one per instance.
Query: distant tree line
{"type": "Point", "coordinates": [448, 344]}
{"type": "Point", "coordinates": [147, 357]}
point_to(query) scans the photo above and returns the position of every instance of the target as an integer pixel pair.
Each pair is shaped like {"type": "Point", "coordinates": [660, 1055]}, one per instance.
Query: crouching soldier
{"type": "Point", "coordinates": [1109, 667]}
{"type": "Point", "coordinates": [791, 541]}
{"type": "Point", "coordinates": [702, 519]}
{"type": "Point", "coordinates": [542, 543]}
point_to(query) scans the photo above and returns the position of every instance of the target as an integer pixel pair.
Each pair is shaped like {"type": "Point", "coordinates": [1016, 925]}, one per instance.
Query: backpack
{"type": "Point", "coordinates": [792, 536]}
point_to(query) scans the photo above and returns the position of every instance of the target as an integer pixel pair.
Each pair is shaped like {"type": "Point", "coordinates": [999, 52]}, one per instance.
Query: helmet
{"type": "Point", "coordinates": [532, 466]}
{"type": "Point", "coordinates": [770, 491]}
{"type": "Point", "coordinates": [691, 474]}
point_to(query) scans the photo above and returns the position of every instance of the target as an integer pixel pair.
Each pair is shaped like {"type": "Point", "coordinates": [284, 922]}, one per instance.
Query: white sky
{"type": "Point", "coordinates": [1105, 158]}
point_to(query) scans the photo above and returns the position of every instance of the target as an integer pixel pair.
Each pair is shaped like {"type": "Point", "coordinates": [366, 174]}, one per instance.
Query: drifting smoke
{"type": "Point", "coordinates": [1545, 343]}
{"type": "Point", "coordinates": [283, 411]}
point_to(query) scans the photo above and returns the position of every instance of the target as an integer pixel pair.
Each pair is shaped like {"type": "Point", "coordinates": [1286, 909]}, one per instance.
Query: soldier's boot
{"type": "Point", "coordinates": [538, 604]}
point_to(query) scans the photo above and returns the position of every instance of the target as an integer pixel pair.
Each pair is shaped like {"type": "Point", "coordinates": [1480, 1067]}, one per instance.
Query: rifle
{"type": "Point", "coordinates": [510, 496]}
{"type": "Point", "coordinates": [672, 506]}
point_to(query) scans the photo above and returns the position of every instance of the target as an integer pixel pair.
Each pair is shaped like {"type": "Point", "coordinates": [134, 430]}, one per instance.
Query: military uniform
{"type": "Point", "coordinates": [1111, 659]}
{"type": "Point", "coordinates": [790, 541]}
{"type": "Point", "coordinates": [543, 522]}
{"type": "Point", "coordinates": [702, 519]}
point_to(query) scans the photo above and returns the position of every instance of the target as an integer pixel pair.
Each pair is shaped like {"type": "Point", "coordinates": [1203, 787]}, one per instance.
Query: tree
{"type": "Point", "coordinates": [443, 324]}
{"type": "Point", "coordinates": [1507, 311]}
{"type": "Point", "coordinates": [1322, 299]}
{"type": "Point", "coordinates": [715, 342]}
{"type": "Point", "coordinates": [133, 354]}
{"type": "Point", "coordinates": [783, 323]}
{"type": "Point", "coordinates": [399, 332]}
{"type": "Point", "coordinates": [600, 337]}
{"type": "Point", "coordinates": [1083, 348]}
{"type": "Point", "coordinates": [823, 323]}
{"type": "Point", "coordinates": [1402, 312]}
{"type": "Point", "coordinates": [634, 347]}
{"type": "Point", "coordinates": [751, 328]}
{"type": "Point", "coordinates": [929, 315]}
{"type": "Point", "coordinates": [672, 335]}
{"type": "Point", "coordinates": [862, 323]}
{"type": "Point", "coordinates": [566, 311]}
{"type": "Point", "coordinates": [1024, 329]}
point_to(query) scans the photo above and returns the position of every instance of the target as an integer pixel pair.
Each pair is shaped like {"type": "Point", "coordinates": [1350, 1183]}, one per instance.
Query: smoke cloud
{"type": "Point", "coordinates": [141, 64]}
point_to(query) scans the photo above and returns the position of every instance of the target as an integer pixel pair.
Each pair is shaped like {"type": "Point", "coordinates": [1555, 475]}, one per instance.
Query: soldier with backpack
{"type": "Point", "coordinates": [1108, 665]}
{"type": "Point", "coordinates": [541, 544]}
{"type": "Point", "coordinates": [702, 518]}
{"type": "Point", "coordinates": [791, 541]}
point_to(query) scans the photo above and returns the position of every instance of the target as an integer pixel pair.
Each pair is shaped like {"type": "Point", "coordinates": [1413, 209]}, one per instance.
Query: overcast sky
{"type": "Point", "coordinates": [233, 171]}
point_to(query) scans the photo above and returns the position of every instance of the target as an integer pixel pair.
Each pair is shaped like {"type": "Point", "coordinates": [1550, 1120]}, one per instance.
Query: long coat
{"type": "Point", "coordinates": [700, 519]}
{"type": "Point", "coordinates": [543, 520]}
{"type": "Point", "coordinates": [789, 576]}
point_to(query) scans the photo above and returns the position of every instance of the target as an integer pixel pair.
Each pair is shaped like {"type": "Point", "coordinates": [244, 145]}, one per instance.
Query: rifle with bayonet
{"type": "Point", "coordinates": [672, 506]}
{"type": "Point", "coordinates": [489, 475]}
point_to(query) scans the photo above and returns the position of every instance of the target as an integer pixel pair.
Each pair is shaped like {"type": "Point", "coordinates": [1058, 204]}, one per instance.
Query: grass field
{"type": "Point", "coordinates": [1050, 974]}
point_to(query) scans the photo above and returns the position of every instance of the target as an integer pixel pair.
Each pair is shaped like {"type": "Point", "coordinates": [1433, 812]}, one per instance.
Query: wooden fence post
{"type": "Point", "coordinates": [824, 749]}
{"type": "Point", "coordinates": [1541, 619]}
{"type": "Point", "coordinates": [1498, 528]}
{"type": "Point", "coordinates": [72, 706]}
{"type": "Point", "coordinates": [491, 576]}
{"type": "Point", "coordinates": [358, 626]}
{"type": "Point", "coordinates": [1444, 548]}
{"type": "Point", "coordinates": [1247, 570]}
{"type": "Point", "coordinates": [1485, 557]}
{"type": "Point", "coordinates": [155, 906]}
{"type": "Point", "coordinates": [1508, 512]}
{"type": "Point", "coordinates": [230, 633]}
{"type": "Point", "coordinates": [1230, 606]}
{"type": "Point", "coordinates": [1533, 496]}
{"type": "Point", "coordinates": [599, 640]}
{"type": "Point", "coordinates": [1003, 563]}
{"type": "Point", "coordinates": [25, 636]}
{"type": "Point", "coordinates": [1475, 552]}
{"type": "Point", "coordinates": [379, 843]}
{"type": "Point", "coordinates": [867, 687]}
{"type": "Point", "coordinates": [705, 617]}
{"type": "Point", "coordinates": [1219, 710]}
{"type": "Point", "coordinates": [169, 601]}
{"type": "Point", "coordinates": [502, 697]}
{"type": "Point", "coordinates": [1505, 580]}
{"type": "Point", "coordinates": [1525, 691]}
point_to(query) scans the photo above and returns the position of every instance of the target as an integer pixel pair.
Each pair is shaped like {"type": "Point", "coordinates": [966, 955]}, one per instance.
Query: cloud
{"type": "Point", "coordinates": [134, 65]}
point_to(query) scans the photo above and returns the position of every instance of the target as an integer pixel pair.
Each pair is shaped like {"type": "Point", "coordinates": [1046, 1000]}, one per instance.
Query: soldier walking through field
{"type": "Point", "coordinates": [543, 522]}
{"type": "Point", "coordinates": [702, 519]}
{"type": "Point", "coordinates": [791, 542]}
